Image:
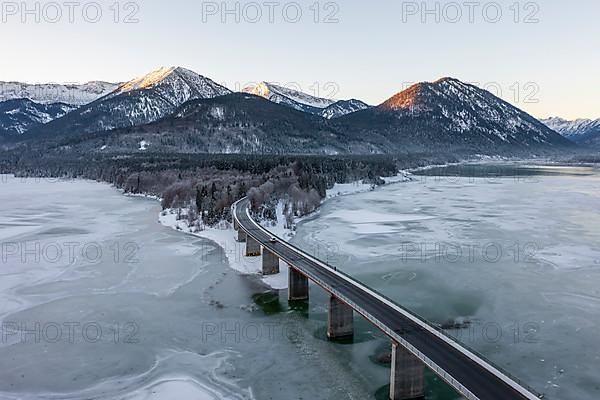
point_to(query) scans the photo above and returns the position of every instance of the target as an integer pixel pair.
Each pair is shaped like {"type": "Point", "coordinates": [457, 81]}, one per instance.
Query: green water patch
{"type": "Point", "coordinates": [360, 336]}
{"type": "Point", "coordinates": [269, 302]}
{"type": "Point", "coordinates": [435, 389]}
{"type": "Point", "coordinates": [301, 307]}
{"type": "Point", "coordinates": [382, 355]}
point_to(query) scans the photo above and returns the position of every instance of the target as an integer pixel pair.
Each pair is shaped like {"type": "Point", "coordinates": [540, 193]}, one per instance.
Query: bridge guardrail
{"type": "Point", "coordinates": [440, 332]}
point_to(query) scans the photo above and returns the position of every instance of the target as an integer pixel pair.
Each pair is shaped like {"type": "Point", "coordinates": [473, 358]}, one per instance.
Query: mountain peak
{"type": "Point", "coordinates": [406, 99]}
{"type": "Point", "coordinates": [452, 111]}
{"type": "Point", "coordinates": [416, 97]}
{"type": "Point", "coordinates": [326, 108]}
{"type": "Point", "coordinates": [344, 107]}
{"type": "Point", "coordinates": [293, 98]}
{"type": "Point", "coordinates": [151, 79]}
{"type": "Point", "coordinates": [447, 79]}
{"type": "Point", "coordinates": [262, 89]}
{"type": "Point", "coordinates": [140, 101]}
{"type": "Point", "coordinates": [175, 80]}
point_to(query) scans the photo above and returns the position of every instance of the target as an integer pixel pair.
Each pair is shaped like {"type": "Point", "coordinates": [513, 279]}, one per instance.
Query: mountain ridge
{"type": "Point", "coordinates": [343, 107]}
{"type": "Point", "coordinates": [290, 97]}
{"type": "Point", "coordinates": [140, 101]}
{"type": "Point", "coordinates": [234, 123]}
{"type": "Point", "coordinates": [446, 114]}
{"type": "Point", "coordinates": [450, 112]}
{"type": "Point", "coordinates": [49, 93]}
{"type": "Point", "coordinates": [582, 131]}
{"type": "Point", "coordinates": [298, 100]}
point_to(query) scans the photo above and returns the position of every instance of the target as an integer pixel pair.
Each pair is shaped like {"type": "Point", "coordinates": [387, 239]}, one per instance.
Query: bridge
{"type": "Point", "coordinates": [415, 343]}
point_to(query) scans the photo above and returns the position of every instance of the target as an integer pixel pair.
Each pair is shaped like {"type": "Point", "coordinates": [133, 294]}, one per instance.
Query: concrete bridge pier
{"type": "Point", "coordinates": [270, 263]}
{"type": "Point", "coordinates": [407, 378]}
{"type": "Point", "coordinates": [240, 236]}
{"type": "Point", "coordinates": [298, 286]}
{"type": "Point", "coordinates": [341, 319]}
{"type": "Point", "coordinates": [252, 247]}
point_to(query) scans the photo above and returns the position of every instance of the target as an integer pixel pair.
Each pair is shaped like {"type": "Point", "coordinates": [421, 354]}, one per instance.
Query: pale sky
{"type": "Point", "coordinates": [370, 49]}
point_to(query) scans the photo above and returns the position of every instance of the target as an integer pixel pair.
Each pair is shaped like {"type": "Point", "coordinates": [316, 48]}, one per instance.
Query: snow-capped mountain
{"type": "Point", "coordinates": [343, 107]}
{"type": "Point", "coordinates": [174, 109]}
{"type": "Point", "coordinates": [326, 108]}
{"type": "Point", "coordinates": [19, 115]}
{"type": "Point", "coordinates": [446, 116]}
{"type": "Point", "coordinates": [289, 97]}
{"type": "Point", "coordinates": [579, 130]}
{"type": "Point", "coordinates": [50, 93]}
{"type": "Point", "coordinates": [140, 101]}
{"type": "Point", "coordinates": [451, 113]}
{"type": "Point", "coordinates": [176, 84]}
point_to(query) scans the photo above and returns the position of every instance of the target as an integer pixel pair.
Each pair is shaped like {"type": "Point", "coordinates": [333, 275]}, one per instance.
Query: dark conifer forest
{"type": "Point", "coordinates": [209, 184]}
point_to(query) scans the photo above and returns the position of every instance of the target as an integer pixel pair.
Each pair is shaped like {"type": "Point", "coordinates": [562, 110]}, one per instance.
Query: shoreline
{"type": "Point", "coordinates": [223, 234]}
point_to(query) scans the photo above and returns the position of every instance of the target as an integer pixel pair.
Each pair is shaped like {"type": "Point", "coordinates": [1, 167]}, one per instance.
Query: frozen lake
{"type": "Point", "coordinates": [100, 301]}
{"type": "Point", "coordinates": [510, 266]}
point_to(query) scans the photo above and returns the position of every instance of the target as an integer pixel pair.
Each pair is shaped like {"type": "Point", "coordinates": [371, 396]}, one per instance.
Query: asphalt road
{"type": "Point", "coordinates": [478, 379]}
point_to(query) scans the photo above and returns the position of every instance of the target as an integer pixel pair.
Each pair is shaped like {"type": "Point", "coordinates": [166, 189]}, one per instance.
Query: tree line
{"type": "Point", "coordinates": [207, 185]}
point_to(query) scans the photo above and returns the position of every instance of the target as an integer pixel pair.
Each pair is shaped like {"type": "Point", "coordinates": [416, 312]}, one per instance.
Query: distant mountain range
{"type": "Point", "coordinates": [583, 131]}
{"type": "Point", "coordinates": [76, 95]}
{"type": "Point", "coordinates": [177, 110]}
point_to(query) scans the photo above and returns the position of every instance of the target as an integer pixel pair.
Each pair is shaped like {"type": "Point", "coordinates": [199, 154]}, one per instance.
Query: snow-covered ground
{"type": "Point", "coordinates": [224, 235]}
{"type": "Point", "coordinates": [144, 145]}
{"type": "Point", "coordinates": [344, 189]}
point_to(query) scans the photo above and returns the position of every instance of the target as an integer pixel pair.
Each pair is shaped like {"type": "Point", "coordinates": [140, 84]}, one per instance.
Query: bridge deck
{"type": "Point", "coordinates": [468, 373]}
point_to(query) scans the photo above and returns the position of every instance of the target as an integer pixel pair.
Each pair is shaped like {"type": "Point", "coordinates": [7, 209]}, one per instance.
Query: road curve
{"type": "Point", "coordinates": [468, 373]}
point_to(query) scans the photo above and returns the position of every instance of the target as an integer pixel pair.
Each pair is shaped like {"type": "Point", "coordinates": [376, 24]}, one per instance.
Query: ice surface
{"type": "Point", "coordinates": [224, 236]}
{"type": "Point", "coordinates": [179, 285]}
{"type": "Point", "coordinates": [546, 277]}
